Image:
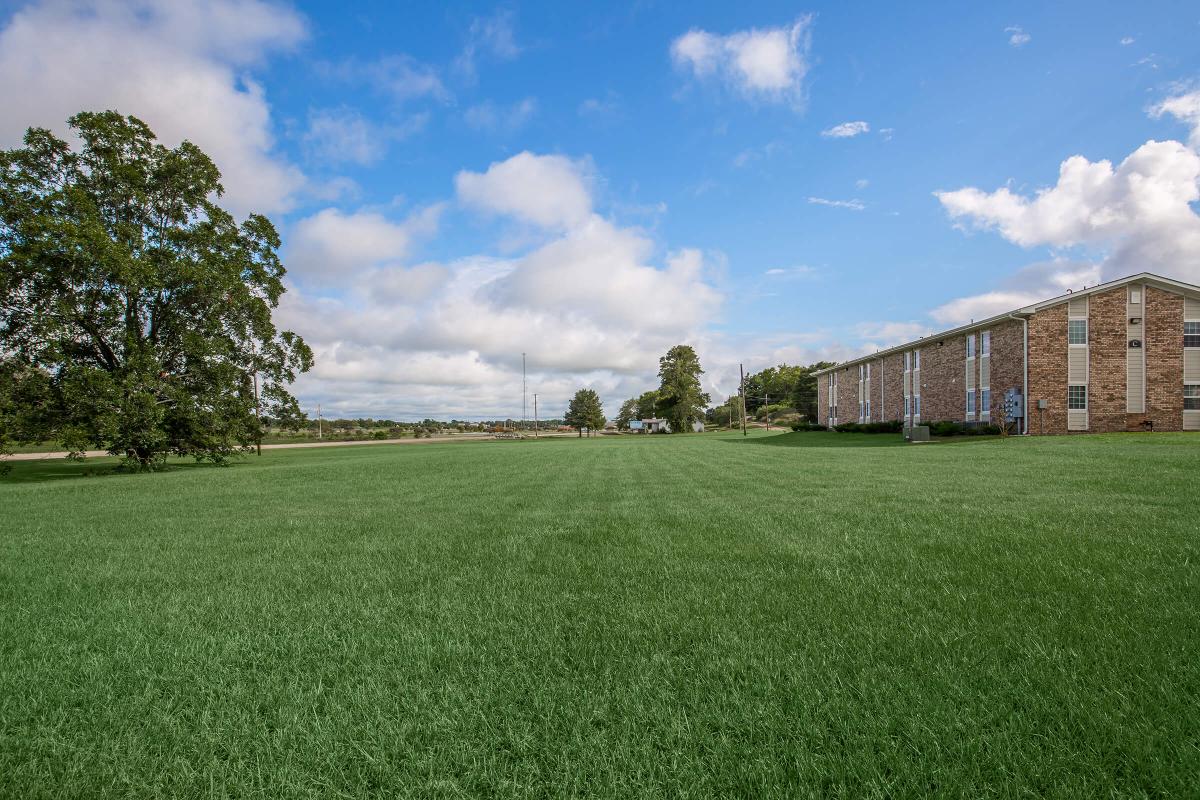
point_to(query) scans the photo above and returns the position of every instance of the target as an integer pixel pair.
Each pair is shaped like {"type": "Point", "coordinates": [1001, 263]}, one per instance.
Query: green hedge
{"type": "Point", "coordinates": [808, 426]}
{"type": "Point", "coordinates": [893, 426]}
{"type": "Point", "coordinates": [951, 428]}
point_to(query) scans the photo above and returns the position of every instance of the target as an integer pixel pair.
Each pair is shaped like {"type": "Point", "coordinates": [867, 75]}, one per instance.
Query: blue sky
{"type": "Point", "coordinates": [459, 183]}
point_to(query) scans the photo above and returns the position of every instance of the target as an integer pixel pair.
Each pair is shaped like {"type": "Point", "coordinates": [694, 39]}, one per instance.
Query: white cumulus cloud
{"type": "Point", "coordinates": [762, 64]}
{"type": "Point", "coordinates": [1185, 107]}
{"type": "Point", "coordinates": [592, 303]}
{"type": "Point", "coordinates": [550, 191]}
{"type": "Point", "coordinates": [182, 67]}
{"type": "Point", "coordinates": [1135, 216]}
{"type": "Point", "coordinates": [331, 246]}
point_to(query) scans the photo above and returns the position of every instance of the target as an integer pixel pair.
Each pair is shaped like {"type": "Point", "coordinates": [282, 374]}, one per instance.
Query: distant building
{"type": "Point", "coordinates": [661, 426]}
{"type": "Point", "coordinates": [1124, 355]}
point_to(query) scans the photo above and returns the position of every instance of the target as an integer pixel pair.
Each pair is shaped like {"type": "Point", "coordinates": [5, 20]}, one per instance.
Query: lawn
{"type": "Point", "coordinates": [786, 615]}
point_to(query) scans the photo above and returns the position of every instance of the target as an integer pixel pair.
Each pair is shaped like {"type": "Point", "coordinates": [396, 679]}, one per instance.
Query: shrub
{"type": "Point", "coordinates": [891, 426]}
{"type": "Point", "coordinates": [952, 428]}
{"type": "Point", "coordinates": [808, 426]}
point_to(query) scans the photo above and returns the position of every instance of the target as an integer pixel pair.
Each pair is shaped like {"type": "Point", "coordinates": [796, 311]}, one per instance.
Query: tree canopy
{"type": "Point", "coordinates": [134, 309]}
{"type": "Point", "coordinates": [647, 404]}
{"type": "Point", "coordinates": [585, 411]}
{"type": "Point", "coordinates": [628, 412]}
{"type": "Point", "coordinates": [680, 398]}
{"type": "Point", "coordinates": [791, 385]}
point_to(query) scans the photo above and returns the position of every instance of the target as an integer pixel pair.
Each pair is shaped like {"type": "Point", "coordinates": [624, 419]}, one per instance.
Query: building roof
{"type": "Point", "coordinates": [1158, 281]}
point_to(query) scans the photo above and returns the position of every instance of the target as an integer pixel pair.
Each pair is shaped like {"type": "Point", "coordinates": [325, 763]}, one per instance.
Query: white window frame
{"type": "Point", "coordinates": [1187, 322]}
{"type": "Point", "coordinates": [1086, 332]}
{"type": "Point", "coordinates": [1195, 395]}
{"type": "Point", "coordinates": [970, 403]}
{"type": "Point", "coordinates": [985, 343]}
{"type": "Point", "coordinates": [916, 409]}
{"type": "Point", "coordinates": [970, 347]}
{"type": "Point", "coordinates": [916, 359]}
{"type": "Point", "coordinates": [985, 403]}
{"type": "Point", "coordinates": [1085, 396]}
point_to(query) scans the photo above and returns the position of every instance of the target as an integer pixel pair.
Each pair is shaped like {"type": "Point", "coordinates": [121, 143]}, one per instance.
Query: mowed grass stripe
{"type": "Point", "coordinates": [802, 614]}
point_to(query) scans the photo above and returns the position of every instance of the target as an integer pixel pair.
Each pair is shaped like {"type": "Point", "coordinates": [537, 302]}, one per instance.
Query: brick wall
{"type": "Point", "coordinates": [1107, 356]}
{"type": "Point", "coordinates": [822, 399]}
{"type": "Point", "coordinates": [892, 372]}
{"type": "Point", "coordinates": [1164, 359]}
{"type": "Point", "coordinates": [847, 399]}
{"type": "Point", "coordinates": [1048, 370]}
{"type": "Point", "coordinates": [1107, 352]}
{"type": "Point", "coordinates": [1008, 363]}
{"type": "Point", "coordinates": [943, 371]}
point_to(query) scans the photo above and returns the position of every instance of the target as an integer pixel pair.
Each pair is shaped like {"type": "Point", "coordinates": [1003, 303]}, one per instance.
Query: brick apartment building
{"type": "Point", "coordinates": [1124, 355]}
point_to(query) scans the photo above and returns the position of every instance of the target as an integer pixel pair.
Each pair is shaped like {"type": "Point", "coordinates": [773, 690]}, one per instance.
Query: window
{"type": "Point", "coordinates": [868, 415]}
{"type": "Point", "coordinates": [917, 359]}
{"type": "Point", "coordinates": [917, 406]}
{"type": "Point", "coordinates": [908, 406]}
{"type": "Point", "coordinates": [985, 344]}
{"type": "Point", "coordinates": [1191, 334]}
{"type": "Point", "coordinates": [970, 402]}
{"type": "Point", "coordinates": [1191, 397]}
{"type": "Point", "coordinates": [971, 346]}
{"type": "Point", "coordinates": [1135, 296]}
{"type": "Point", "coordinates": [908, 362]}
{"type": "Point", "coordinates": [1077, 331]}
{"type": "Point", "coordinates": [986, 400]}
{"type": "Point", "coordinates": [1077, 398]}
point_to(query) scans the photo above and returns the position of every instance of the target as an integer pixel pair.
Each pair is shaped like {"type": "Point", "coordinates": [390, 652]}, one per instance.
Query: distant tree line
{"type": "Point", "coordinates": [784, 389]}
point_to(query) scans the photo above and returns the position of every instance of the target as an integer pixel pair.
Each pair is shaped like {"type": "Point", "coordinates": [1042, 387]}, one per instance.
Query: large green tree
{"type": "Point", "coordinates": [681, 400]}
{"type": "Point", "coordinates": [585, 411]}
{"type": "Point", "coordinates": [804, 392]}
{"type": "Point", "coordinates": [144, 306]}
{"type": "Point", "coordinates": [647, 404]}
{"type": "Point", "coordinates": [627, 413]}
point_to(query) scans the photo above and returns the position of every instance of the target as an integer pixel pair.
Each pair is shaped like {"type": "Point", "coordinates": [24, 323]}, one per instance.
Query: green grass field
{"type": "Point", "coordinates": [790, 615]}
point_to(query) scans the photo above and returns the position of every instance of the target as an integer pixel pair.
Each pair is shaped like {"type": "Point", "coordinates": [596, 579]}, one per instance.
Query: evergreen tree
{"type": "Point", "coordinates": [680, 398]}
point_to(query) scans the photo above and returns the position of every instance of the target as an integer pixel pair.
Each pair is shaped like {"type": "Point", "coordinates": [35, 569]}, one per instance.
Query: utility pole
{"type": "Point", "coordinates": [535, 430]}
{"type": "Point", "coordinates": [319, 421]}
{"type": "Point", "coordinates": [767, 402]}
{"type": "Point", "coordinates": [742, 371]}
{"type": "Point", "coordinates": [522, 390]}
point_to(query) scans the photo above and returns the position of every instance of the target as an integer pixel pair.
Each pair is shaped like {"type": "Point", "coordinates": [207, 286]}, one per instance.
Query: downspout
{"type": "Point", "coordinates": [1025, 373]}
